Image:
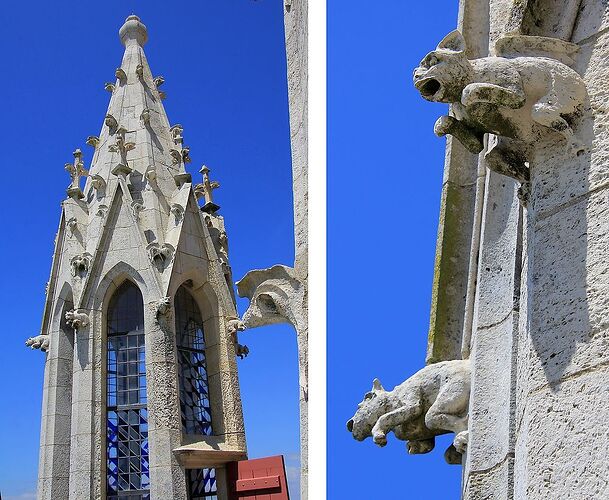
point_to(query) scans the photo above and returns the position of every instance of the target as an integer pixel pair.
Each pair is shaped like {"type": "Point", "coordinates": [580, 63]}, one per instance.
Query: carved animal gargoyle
{"type": "Point", "coordinates": [162, 306]}
{"type": "Point", "coordinates": [77, 319]}
{"type": "Point", "coordinates": [233, 327]}
{"type": "Point", "coordinates": [276, 296]}
{"type": "Point", "coordinates": [80, 264]}
{"type": "Point", "coordinates": [38, 342]}
{"type": "Point", "coordinates": [432, 402]}
{"type": "Point", "coordinates": [517, 98]}
{"type": "Point", "coordinates": [160, 254]}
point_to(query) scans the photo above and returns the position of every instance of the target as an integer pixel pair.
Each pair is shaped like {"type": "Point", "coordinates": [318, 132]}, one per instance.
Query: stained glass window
{"type": "Point", "coordinates": [128, 475]}
{"type": "Point", "coordinates": [201, 484]}
{"type": "Point", "coordinates": [194, 389]}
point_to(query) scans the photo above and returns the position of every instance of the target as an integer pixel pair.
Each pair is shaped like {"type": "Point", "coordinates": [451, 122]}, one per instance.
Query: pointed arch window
{"type": "Point", "coordinates": [127, 415]}
{"type": "Point", "coordinates": [194, 388]}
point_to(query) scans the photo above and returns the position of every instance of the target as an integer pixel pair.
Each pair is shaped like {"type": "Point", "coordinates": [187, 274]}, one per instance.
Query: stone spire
{"type": "Point", "coordinates": [136, 132]}
{"type": "Point", "coordinates": [139, 154]}
{"type": "Point", "coordinates": [137, 226]}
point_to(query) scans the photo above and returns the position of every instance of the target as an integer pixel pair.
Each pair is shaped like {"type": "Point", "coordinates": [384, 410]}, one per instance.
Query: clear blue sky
{"type": "Point", "coordinates": [384, 180]}
{"type": "Point", "coordinates": [224, 65]}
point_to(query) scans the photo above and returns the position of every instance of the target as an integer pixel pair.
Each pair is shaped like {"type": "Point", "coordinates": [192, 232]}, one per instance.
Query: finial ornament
{"type": "Point", "coordinates": [205, 190]}
{"type": "Point", "coordinates": [133, 31]}
{"type": "Point", "coordinates": [76, 170]}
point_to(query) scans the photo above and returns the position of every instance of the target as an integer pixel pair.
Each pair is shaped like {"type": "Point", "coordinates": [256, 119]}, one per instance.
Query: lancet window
{"type": "Point", "coordinates": [194, 387]}
{"type": "Point", "coordinates": [127, 415]}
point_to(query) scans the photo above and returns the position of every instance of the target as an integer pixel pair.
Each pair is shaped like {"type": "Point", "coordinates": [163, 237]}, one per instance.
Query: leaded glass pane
{"type": "Point", "coordinates": [201, 484]}
{"type": "Point", "coordinates": [194, 389]}
{"type": "Point", "coordinates": [128, 474]}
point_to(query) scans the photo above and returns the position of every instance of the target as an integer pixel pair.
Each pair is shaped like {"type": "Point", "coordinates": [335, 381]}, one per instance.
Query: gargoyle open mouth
{"type": "Point", "coordinates": [428, 87]}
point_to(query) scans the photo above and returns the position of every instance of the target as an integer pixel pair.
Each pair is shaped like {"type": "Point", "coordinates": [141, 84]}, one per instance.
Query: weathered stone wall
{"type": "Point", "coordinates": [538, 408]}
{"type": "Point", "coordinates": [563, 406]}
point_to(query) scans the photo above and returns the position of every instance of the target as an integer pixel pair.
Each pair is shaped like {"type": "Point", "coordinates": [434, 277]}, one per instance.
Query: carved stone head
{"type": "Point", "coordinates": [374, 405]}
{"type": "Point", "coordinates": [445, 72]}
{"type": "Point", "coordinates": [275, 295]}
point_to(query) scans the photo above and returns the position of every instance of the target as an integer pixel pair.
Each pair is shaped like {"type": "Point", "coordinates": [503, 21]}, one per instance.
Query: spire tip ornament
{"type": "Point", "coordinates": [133, 31]}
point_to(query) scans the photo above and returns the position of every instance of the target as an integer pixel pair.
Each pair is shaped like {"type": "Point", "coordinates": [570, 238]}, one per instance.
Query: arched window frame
{"type": "Point", "coordinates": [189, 347]}
{"type": "Point", "coordinates": [200, 483]}
{"type": "Point", "coordinates": [122, 409]}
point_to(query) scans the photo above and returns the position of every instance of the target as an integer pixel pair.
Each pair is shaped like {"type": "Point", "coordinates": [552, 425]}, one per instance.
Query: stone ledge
{"type": "Point", "coordinates": [208, 452]}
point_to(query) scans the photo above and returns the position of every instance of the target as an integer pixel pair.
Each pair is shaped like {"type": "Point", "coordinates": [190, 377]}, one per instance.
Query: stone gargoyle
{"type": "Point", "coordinates": [233, 327]}
{"type": "Point", "coordinates": [432, 402]}
{"type": "Point", "coordinates": [162, 306]}
{"type": "Point", "coordinates": [38, 342]}
{"type": "Point", "coordinates": [80, 264]}
{"type": "Point", "coordinates": [517, 98]}
{"type": "Point", "coordinates": [278, 295]}
{"type": "Point", "coordinates": [77, 319]}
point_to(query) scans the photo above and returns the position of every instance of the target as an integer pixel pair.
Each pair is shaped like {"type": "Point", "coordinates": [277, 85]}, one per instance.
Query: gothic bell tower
{"type": "Point", "coordinates": [141, 393]}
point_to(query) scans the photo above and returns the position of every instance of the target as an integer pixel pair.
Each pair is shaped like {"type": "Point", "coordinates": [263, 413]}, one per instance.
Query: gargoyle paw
{"type": "Point", "coordinates": [380, 439]}
{"type": "Point", "coordinates": [461, 440]}
{"type": "Point", "coordinates": [444, 125]}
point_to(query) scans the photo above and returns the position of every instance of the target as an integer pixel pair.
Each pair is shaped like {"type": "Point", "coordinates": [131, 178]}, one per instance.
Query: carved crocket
{"type": "Point", "coordinates": [516, 98]}
{"type": "Point", "coordinates": [432, 402]}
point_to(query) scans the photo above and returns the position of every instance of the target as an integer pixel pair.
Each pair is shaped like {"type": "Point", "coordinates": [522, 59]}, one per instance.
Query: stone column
{"type": "Point", "coordinates": [57, 410]}
{"type": "Point", "coordinates": [296, 41]}
{"type": "Point", "coordinates": [489, 463]}
{"type": "Point", "coordinates": [455, 268]}
{"type": "Point", "coordinates": [84, 471]}
{"type": "Point", "coordinates": [164, 424]}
